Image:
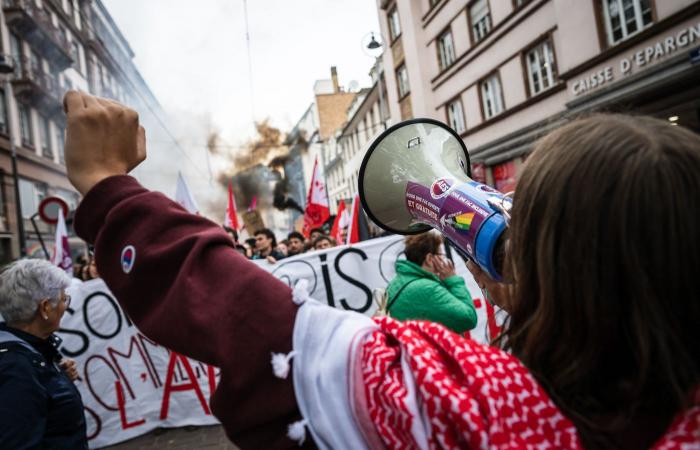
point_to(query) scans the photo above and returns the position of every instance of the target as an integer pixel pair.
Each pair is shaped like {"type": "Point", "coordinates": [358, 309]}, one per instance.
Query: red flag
{"type": "Point", "coordinates": [342, 219]}
{"type": "Point", "coordinates": [253, 203]}
{"type": "Point", "coordinates": [354, 228]}
{"type": "Point", "coordinates": [317, 211]}
{"type": "Point", "coordinates": [231, 219]}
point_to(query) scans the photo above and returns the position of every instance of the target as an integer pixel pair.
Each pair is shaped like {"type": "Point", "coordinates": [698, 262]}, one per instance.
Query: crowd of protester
{"type": "Point", "coordinates": [85, 267]}
{"type": "Point", "coordinates": [264, 243]}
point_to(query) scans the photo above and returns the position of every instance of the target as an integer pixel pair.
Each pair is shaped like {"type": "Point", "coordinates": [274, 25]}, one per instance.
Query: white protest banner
{"type": "Point", "coordinates": [129, 384]}
{"type": "Point", "coordinates": [345, 277]}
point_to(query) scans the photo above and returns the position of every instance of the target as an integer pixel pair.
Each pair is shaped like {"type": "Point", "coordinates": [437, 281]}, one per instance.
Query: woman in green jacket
{"type": "Point", "coordinates": [426, 287]}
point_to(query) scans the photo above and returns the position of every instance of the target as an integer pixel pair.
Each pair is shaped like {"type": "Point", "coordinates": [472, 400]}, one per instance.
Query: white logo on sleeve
{"type": "Point", "coordinates": [128, 257]}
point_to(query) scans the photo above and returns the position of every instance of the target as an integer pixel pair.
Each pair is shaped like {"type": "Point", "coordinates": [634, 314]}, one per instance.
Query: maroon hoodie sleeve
{"type": "Point", "coordinates": [187, 288]}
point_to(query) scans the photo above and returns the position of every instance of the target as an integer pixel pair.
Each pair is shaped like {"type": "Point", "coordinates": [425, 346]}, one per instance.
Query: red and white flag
{"type": "Point", "coordinates": [317, 210]}
{"type": "Point", "coordinates": [183, 195]}
{"type": "Point", "coordinates": [253, 203]}
{"type": "Point", "coordinates": [354, 227]}
{"type": "Point", "coordinates": [342, 220]}
{"type": "Point", "coordinates": [61, 252]}
{"type": "Point", "coordinates": [231, 219]}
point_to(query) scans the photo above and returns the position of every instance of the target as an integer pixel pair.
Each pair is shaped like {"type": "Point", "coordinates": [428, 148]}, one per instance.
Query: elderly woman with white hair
{"type": "Point", "coordinates": [39, 405]}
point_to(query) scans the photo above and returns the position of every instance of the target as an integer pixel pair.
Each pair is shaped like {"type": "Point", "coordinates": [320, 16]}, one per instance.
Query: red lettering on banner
{"type": "Point", "coordinates": [113, 354]}
{"type": "Point", "coordinates": [89, 412]}
{"type": "Point", "coordinates": [122, 408]}
{"type": "Point", "coordinates": [494, 329]}
{"type": "Point", "coordinates": [212, 379]}
{"type": "Point", "coordinates": [192, 385]}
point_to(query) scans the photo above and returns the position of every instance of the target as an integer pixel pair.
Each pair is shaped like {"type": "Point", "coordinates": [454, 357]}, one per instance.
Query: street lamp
{"type": "Point", "coordinates": [374, 49]}
{"type": "Point", "coordinates": [373, 44]}
{"type": "Point", "coordinates": [7, 66]}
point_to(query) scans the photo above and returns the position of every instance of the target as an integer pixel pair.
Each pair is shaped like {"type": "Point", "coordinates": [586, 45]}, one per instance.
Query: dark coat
{"type": "Point", "coordinates": [40, 408]}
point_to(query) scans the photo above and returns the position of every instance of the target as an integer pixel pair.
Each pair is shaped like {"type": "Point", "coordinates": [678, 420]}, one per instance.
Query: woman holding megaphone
{"type": "Point", "coordinates": [600, 350]}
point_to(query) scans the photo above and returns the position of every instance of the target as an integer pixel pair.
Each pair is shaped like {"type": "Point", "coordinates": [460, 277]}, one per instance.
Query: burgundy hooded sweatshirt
{"type": "Point", "coordinates": [189, 290]}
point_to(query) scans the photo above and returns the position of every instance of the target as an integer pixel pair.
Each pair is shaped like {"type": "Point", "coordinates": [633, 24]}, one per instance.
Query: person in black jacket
{"type": "Point", "coordinates": [40, 406]}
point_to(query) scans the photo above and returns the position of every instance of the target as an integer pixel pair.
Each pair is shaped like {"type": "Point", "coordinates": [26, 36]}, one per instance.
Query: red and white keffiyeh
{"type": "Point", "coordinates": [470, 395]}
{"type": "Point", "coordinates": [370, 384]}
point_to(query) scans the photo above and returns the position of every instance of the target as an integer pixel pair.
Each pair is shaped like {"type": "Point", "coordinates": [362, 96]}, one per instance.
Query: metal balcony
{"type": "Point", "coordinates": [34, 87]}
{"type": "Point", "coordinates": [34, 25]}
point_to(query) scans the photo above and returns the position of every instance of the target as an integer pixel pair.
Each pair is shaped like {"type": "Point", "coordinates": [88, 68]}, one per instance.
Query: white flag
{"type": "Point", "coordinates": [183, 195]}
{"type": "Point", "coordinates": [61, 253]}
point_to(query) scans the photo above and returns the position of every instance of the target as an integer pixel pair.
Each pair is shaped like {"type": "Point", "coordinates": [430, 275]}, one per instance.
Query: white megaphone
{"type": "Point", "coordinates": [416, 176]}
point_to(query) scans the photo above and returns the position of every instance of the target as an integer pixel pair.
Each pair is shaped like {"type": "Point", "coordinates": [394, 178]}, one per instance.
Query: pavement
{"type": "Point", "coordinates": [207, 438]}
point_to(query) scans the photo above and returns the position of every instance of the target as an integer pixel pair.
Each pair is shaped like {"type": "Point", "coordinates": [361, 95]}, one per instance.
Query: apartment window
{"type": "Point", "coordinates": [491, 96]}
{"type": "Point", "coordinates": [60, 143]}
{"type": "Point", "coordinates": [16, 50]}
{"type": "Point", "coordinates": [394, 25]}
{"type": "Point", "coordinates": [446, 50]}
{"type": "Point", "coordinates": [44, 136]}
{"type": "Point", "coordinates": [3, 113]}
{"type": "Point", "coordinates": [31, 195]}
{"type": "Point", "coordinates": [35, 63]}
{"type": "Point", "coordinates": [624, 18]}
{"type": "Point", "coordinates": [75, 53]}
{"type": "Point", "coordinates": [541, 70]}
{"type": "Point", "coordinates": [25, 125]}
{"type": "Point", "coordinates": [481, 19]}
{"type": "Point", "coordinates": [455, 116]}
{"type": "Point", "coordinates": [402, 81]}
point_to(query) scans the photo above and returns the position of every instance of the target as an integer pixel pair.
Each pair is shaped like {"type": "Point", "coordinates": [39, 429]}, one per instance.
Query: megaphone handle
{"type": "Point", "coordinates": [465, 256]}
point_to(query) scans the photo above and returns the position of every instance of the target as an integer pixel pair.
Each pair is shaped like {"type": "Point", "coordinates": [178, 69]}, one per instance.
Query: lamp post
{"type": "Point", "coordinates": [7, 67]}
{"type": "Point", "coordinates": [375, 49]}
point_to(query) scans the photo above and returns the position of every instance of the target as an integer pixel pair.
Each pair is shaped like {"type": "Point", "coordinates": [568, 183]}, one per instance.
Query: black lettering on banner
{"type": "Point", "coordinates": [305, 269]}
{"type": "Point", "coordinates": [83, 337]}
{"type": "Point", "coordinates": [327, 280]}
{"type": "Point", "coordinates": [353, 281]}
{"type": "Point", "coordinates": [116, 310]}
{"type": "Point", "coordinates": [390, 258]}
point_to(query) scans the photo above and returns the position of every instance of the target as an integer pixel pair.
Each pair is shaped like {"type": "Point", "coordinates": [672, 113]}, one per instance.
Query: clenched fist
{"type": "Point", "coordinates": [103, 139]}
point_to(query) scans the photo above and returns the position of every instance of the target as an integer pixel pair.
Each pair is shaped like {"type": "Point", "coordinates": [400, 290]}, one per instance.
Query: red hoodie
{"type": "Point", "coordinates": [189, 291]}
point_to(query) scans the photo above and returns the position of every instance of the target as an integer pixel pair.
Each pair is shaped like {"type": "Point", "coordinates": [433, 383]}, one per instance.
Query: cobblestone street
{"type": "Point", "coordinates": [209, 438]}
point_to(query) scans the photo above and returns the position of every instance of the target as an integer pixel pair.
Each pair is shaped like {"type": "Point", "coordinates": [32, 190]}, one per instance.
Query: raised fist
{"type": "Point", "coordinates": [103, 139]}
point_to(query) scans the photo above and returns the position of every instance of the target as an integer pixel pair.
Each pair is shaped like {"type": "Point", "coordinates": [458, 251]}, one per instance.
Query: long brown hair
{"type": "Point", "coordinates": [605, 256]}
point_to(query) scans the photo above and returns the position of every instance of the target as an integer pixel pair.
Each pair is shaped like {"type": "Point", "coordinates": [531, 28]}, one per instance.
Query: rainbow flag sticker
{"type": "Point", "coordinates": [463, 221]}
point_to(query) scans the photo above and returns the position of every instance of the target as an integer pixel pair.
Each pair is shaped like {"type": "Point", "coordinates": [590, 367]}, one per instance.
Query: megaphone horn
{"type": "Point", "coordinates": [416, 176]}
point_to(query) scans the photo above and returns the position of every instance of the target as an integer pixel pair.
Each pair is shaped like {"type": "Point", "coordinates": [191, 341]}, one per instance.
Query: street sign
{"type": "Point", "coordinates": [49, 207]}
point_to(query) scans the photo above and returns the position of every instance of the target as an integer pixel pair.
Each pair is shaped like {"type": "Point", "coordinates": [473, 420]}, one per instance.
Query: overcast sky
{"type": "Point", "coordinates": [193, 55]}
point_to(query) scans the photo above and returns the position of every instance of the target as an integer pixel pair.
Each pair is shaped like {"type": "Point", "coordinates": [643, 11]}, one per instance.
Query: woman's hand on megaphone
{"type": "Point", "coordinates": [498, 293]}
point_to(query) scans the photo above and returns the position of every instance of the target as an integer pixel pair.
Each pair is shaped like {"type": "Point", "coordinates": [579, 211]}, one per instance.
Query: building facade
{"type": "Point", "coordinates": [53, 46]}
{"type": "Point", "coordinates": [504, 72]}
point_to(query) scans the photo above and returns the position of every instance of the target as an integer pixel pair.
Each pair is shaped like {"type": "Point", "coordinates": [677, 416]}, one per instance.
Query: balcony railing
{"type": "Point", "coordinates": [38, 88]}
{"type": "Point", "coordinates": [34, 25]}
